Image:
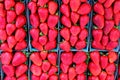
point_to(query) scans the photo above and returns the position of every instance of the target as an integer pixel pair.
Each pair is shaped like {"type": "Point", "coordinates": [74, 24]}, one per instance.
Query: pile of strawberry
{"type": "Point", "coordinates": [13, 65]}
{"type": "Point", "coordinates": [12, 22]}
{"type": "Point", "coordinates": [73, 66]}
{"type": "Point", "coordinates": [74, 19]}
{"type": "Point", "coordinates": [44, 19]}
{"type": "Point", "coordinates": [106, 20]}
{"type": "Point", "coordinates": [102, 67]}
{"type": "Point", "coordinates": [44, 66]}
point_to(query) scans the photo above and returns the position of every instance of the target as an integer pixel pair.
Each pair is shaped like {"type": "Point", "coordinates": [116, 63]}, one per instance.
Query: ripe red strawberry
{"type": "Point", "coordinates": [4, 47]}
{"type": "Point", "coordinates": [64, 67]}
{"type": "Point", "coordinates": [66, 21]}
{"type": "Point", "coordinates": [98, 20]}
{"type": "Point", "coordinates": [116, 9]}
{"type": "Point", "coordinates": [108, 3]}
{"type": "Point", "coordinates": [117, 18]}
{"type": "Point", "coordinates": [111, 45]}
{"type": "Point", "coordinates": [2, 22]}
{"type": "Point", "coordinates": [44, 76]}
{"type": "Point", "coordinates": [43, 40]}
{"type": "Point", "coordinates": [110, 69]}
{"type": "Point", "coordinates": [65, 33]}
{"type": "Point", "coordinates": [43, 14]}
{"type": "Point", "coordinates": [52, 21]}
{"type": "Point", "coordinates": [37, 45]}
{"type": "Point", "coordinates": [34, 34]}
{"type": "Point", "coordinates": [103, 61]}
{"type": "Point", "coordinates": [44, 28]}
{"type": "Point", "coordinates": [36, 70]}
{"type": "Point", "coordinates": [65, 1]}
{"type": "Point", "coordinates": [72, 73]}
{"type": "Point", "coordinates": [98, 8]}
{"type": "Point", "coordinates": [52, 58]}
{"type": "Point", "coordinates": [103, 75]}
{"type": "Point", "coordinates": [110, 77]}
{"type": "Point", "coordinates": [2, 12]}
{"type": "Point", "coordinates": [101, 1]}
{"type": "Point", "coordinates": [21, 45]}
{"type": "Point", "coordinates": [32, 6]}
{"type": "Point", "coordinates": [108, 13]}
{"type": "Point", "coordinates": [63, 76]}
{"type": "Point", "coordinates": [19, 8]}
{"type": "Point", "coordinates": [84, 21]}
{"type": "Point", "coordinates": [9, 78]}
{"type": "Point", "coordinates": [93, 78]}
{"type": "Point", "coordinates": [84, 9]}
{"type": "Point", "coordinates": [65, 10]}
{"type": "Point", "coordinates": [34, 20]}
{"type": "Point", "coordinates": [20, 21]}
{"type": "Point", "coordinates": [52, 70]}
{"type": "Point", "coordinates": [65, 45]}
{"type": "Point", "coordinates": [23, 77]}
{"type": "Point", "coordinates": [3, 35]}
{"type": "Point", "coordinates": [45, 66]}
{"type": "Point", "coordinates": [52, 34]}
{"type": "Point", "coordinates": [97, 45]}
{"type": "Point", "coordinates": [20, 34]}
{"type": "Point", "coordinates": [83, 34]}
{"type": "Point", "coordinates": [36, 59]}
{"type": "Point", "coordinates": [81, 68]}
{"type": "Point", "coordinates": [79, 57]}
{"type": "Point", "coordinates": [11, 15]}
{"type": "Point", "coordinates": [114, 34]}
{"type": "Point", "coordinates": [75, 30]}
{"type": "Point", "coordinates": [6, 58]}
{"type": "Point", "coordinates": [66, 58]}
{"type": "Point", "coordinates": [11, 41]}
{"type": "Point", "coordinates": [41, 3]}
{"type": "Point", "coordinates": [73, 40]}
{"type": "Point", "coordinates": [80, 45]}
{"type": "Point", "coordinates": [33, 77]}
{"type": "Point", "coordinates": [19, 58]}
{"type": "Point", "coordinates": [9, 4]}
{"type": "Point", "coordinates": [112, 56]}
{"type": "Point", "coordinates": [1, 6]}
{"type": "Point", "coordinates": [50, 45]}
{"type": "Point", "coordinates": [74, 17]}
{"type": "Point", "coordinates": [74, 5]}
{"type": "Point", "coordinates": [10, 28]}
{"type": "Point", "coordinates": [20, 70]}
{"type": "Point", "coordinates": [81, 77]}
{"type": "Point", "coordinates": [43, 54]}
{"type": "Point", "coordinates": [53, 77]}
{"type": "Point", "coordinates": [52, 7]}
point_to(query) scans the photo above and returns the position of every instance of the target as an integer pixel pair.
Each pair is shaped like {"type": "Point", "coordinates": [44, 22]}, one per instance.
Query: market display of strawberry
{"type": "Point", "coordinates": [74, 20]}
{"type": "Point", "coordinates": [44, 65]}
{"type": "Point", "coordinates": [106, 20]}
{"type": "Point", "coordinates": [44, 19]}
{"type": "Point", "coordinates": [13, 65]}
{"type": "Point", "coordinates": [102, 66]}
{"type": "Point", "coordinates": [12, 26]}
{"type": "Point", "coordinates": [73, 65]}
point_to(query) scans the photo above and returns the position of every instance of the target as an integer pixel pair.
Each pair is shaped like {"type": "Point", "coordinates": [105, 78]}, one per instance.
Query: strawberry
{"type": "Point", "coordinates": [64, 67]}
{"type": "Point", "coordinates": [34, 34]}
{"type": "Point", "coordinates": [8, 70]}
{"type": "Point", "coordinates": [65, 33]}
{"type": "Point", "coordinates": [108, 3]}
{"type": "Point", "coordinates": [10, 28]}
{"type": "Point", "coordinates": [43, 54]}
{"type": "Point", "coordinates": [103, 75]}
{"type": "Point", "coordinates": [23, 77]}
{"type": "Point", "coordinates": [81, 77]}
{"type": "Point", "coordinates": [53, 77]}
{"type": "Point", "coordinates": [52, 21]}
{"type": "Point", "coordinates": [65, 10]}
{"type": "Point", "coordinates": [19, 8]}
{"type": "Point", "coordinates": [52, 7]}
{"type": "Point", "coordinates": [9, 4]}
{"type": "Point", "coordinates": [71, 73]}
{"type": "Point", "coordinates": [112, 56]}
{"type": "Point", "coordinates": [97, 45]}
{"type": "Point", "coordinates": [37, 45]}
{"type": "Point", "coordinates": [19, 58]}
{"type": "Point", "coordinates": [93, 78]}
{"type": "Point", "coordinates": [83, 0]}
{"type": "Point", "coordinates": [20, 21]}
{"type": "Point", "coordinates": [75, 30]}
{"type": "Point", "coordinates": [66, 21]}
{"type": "Point", "coordinates": [34, 20]}
{"type": "Point", "coordinates": [74, 17]}
{"type": "Point", "coordinates": [79, 57]}
{"type": "Point", "coordinates": [6, 58]}
{"type": "Point", "coordinates": [116, 9]}
{"type": "Point", "coordinates": [66, 58]}
{"type": "Point", "coordinates": [44, 28]}
{"type": "Point", "coordinates": [36, 70]}
{"type": "Point", "coordinates": [44, 76]}
{"type": "Point", "coordinates": [2, 12]}
{"type": "Point", "coordinates": [73, 40]}
{"type": "Point", "coordinates": [50, 45]}
{"type": "Point", "coordinates": [2, 22]}
{"type": "Point", "coordinates": [45, 66]}
{"type": "Point", "coordinates": [21, 45]}
{"type": "Point", "coordinates": [43, 14]}
{"type": "Point", "coordinates": [1, 6]}
{"type": "Point", "coordinates": [108, 13]}
{"type": "Point", "coordinates": [20, 34]}
{"type": "Point", "coordinates": [80, 45]}
{"type": "Point", "coordinates": [101, 1]}
{"type": "Point", "coordinates": [103, 61]}
{"type": "Point", "coordinates": [98, 20]}
{"type": "Point", "coordinates": [65, 1]}
{"type": "Point", "coordinates": [3, 35]}
{"type": "Point", "coordinates": [111, 45]}
{"type": "Point", "coordinates": [21, 70]}
{"type": "Point", "coordinates": [4, 47]}
{"type": "Point", "coordinates": [84, 9]}
{"type": "Point", "coordinates": [11, 15]}
{"type": "Point", "coordinates": [52, 58]}
{"type": "Point", "coordinates": [63, 76]}
{"type": "Point", "coordinates": [117, 18]}
{"type": "Point", "coordinates": [114, 34]}
{"type": "Point", "coordinates": [110, 77]}
{"type": "Point", "coordinates": [52, 34]}
{"type": "Point", "coordinates": [108, 26]}
{"type": "Point", "coordinates": [9, 78]}
{"type": "Point", "coordinates": [52, 70]}
{"type": "Point", "coordinates": [81, 68]}
{"type": "Point", "coordinates": [33, 77]}
{"type": "Point", "coordinates": [110, 69]}
{"type": "Point", "coordinates": [32, 6]}
{"type": "Point", "coordinates": [41, 3]}
{"type": "Point", "coordinates": [43, 40]}
{"type": "Point", "coordinates": [83, 34]}
{"type": "Point", "coordinates": [11, 41]}
{"type": "Point", "coordinates": [36, 59]}
{"type": "Point", "coordinates": [84, 21]}
{"type": "Point", "coordinates": [74, 5]}
{"type": "Point", "coordinates": [98, 8]}
{"type": "Point", "coordinates": [65, 45]}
